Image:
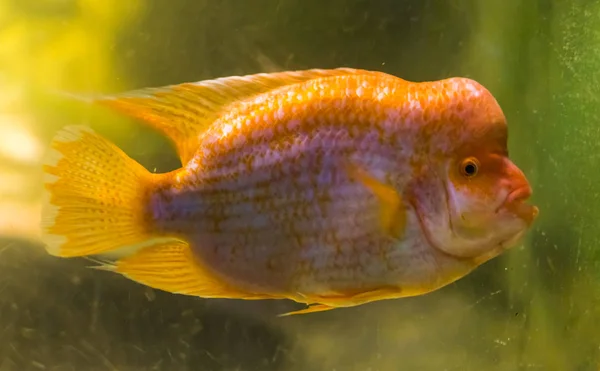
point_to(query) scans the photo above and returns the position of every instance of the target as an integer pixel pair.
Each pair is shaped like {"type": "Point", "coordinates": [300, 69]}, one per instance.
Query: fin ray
{"type": "Point", "coordinates": [311, 309]}
{"type": "Point", "coordinates": [172, 267]}
{"type": "Point", "coordinates": [94, 195]}
{"type": "Point", "coordinates": [183, 111]}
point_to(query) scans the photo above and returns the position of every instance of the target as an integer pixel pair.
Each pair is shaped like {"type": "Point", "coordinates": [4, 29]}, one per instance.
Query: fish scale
{"type": "Point", "coordinates": [327, 109]}
{"type": "Point", "coordinates": [307, 120]}
{"type": "Point", "coordinates": [335, 187]}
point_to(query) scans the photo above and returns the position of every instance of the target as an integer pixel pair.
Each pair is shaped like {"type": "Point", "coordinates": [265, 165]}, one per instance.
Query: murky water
{"type": "Point", "coordinates": [536, 307]}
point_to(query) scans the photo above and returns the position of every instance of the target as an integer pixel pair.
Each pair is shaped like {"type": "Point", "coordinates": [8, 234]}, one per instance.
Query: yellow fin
{"type": "Point", "coordinates": [311, 309]}
{"type": "Point", "coordinates": [94, 196]}
{"type": "Point", "coordinates": [353, 298]}
{"type": "Point", "coordinates": [172, 267]}
{"type": "Point", "coordinates": [348, 299]}
{"type": "Point", "coordinates": [392, 210]}
{"type": "Point", "coordinates": [183, 111]}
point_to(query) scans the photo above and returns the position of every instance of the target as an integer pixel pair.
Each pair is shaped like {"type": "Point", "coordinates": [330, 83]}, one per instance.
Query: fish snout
{"type": "Point", "coordinates": [519, 192]}
{"type": "Point", "coordinates": [516, 202]}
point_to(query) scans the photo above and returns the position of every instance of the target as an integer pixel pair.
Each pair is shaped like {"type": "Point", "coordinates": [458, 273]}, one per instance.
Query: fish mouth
{"type": "Point", "coordinates": [519, 194]}
{"type": "Point", "coordinates": [515, 202]}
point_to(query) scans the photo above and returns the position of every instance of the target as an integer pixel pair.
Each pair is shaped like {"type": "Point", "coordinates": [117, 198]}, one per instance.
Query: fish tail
{"type": "Point", "coordinates": [95, 197]}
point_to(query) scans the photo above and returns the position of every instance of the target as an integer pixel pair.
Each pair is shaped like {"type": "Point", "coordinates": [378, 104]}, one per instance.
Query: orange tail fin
{"type": "Point", "coordinates": [95, 199]}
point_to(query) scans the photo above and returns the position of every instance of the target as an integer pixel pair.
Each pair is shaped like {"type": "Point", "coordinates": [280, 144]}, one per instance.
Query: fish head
{"type": "Point", "coordinates": [487, 204]}
{"type": "Point", "coordinates": [472, 200]}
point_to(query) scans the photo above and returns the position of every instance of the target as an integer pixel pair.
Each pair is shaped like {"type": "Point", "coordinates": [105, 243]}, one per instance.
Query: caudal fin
{"type": "Point", "coordinates": [96, 197]}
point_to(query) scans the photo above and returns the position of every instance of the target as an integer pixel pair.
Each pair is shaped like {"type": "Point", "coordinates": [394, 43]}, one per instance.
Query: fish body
{"type": "Point", "coordinates": [330, 187]}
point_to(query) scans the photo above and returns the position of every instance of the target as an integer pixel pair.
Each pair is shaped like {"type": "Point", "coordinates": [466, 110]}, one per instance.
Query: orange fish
{"type": "Point", "coordinates": [331, 188]}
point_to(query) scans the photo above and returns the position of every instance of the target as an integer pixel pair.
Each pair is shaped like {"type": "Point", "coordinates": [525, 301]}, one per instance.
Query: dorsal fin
{"type": "Point", "coordinates": [183, 111]}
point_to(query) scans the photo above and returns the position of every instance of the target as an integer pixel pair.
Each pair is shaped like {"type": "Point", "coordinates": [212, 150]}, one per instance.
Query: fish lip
{"type": "Point", "coordinates": [518, 194]}
{"type": "Point", "coordinates": [515, 202]}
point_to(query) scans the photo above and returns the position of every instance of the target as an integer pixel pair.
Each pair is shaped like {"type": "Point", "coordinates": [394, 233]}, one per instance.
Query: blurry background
{"type": "Point", "coordinates": [535, 308]}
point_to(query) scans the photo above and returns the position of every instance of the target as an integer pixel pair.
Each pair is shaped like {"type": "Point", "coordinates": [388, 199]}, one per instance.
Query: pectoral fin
{"type": "Point", "coordinates": [392, 211]}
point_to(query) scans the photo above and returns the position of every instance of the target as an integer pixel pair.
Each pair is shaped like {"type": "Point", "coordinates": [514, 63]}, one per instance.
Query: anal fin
{"type": "Point", "coordinates": [172, 267]}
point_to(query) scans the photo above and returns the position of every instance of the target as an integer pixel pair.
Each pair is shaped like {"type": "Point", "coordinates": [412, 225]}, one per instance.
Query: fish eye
{"type": "Point", "coordinates": [469, 167]}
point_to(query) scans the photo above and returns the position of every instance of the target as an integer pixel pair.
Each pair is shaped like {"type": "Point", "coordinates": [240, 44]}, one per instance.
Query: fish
{"type": "Point", "coordinates": [329, 187]}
